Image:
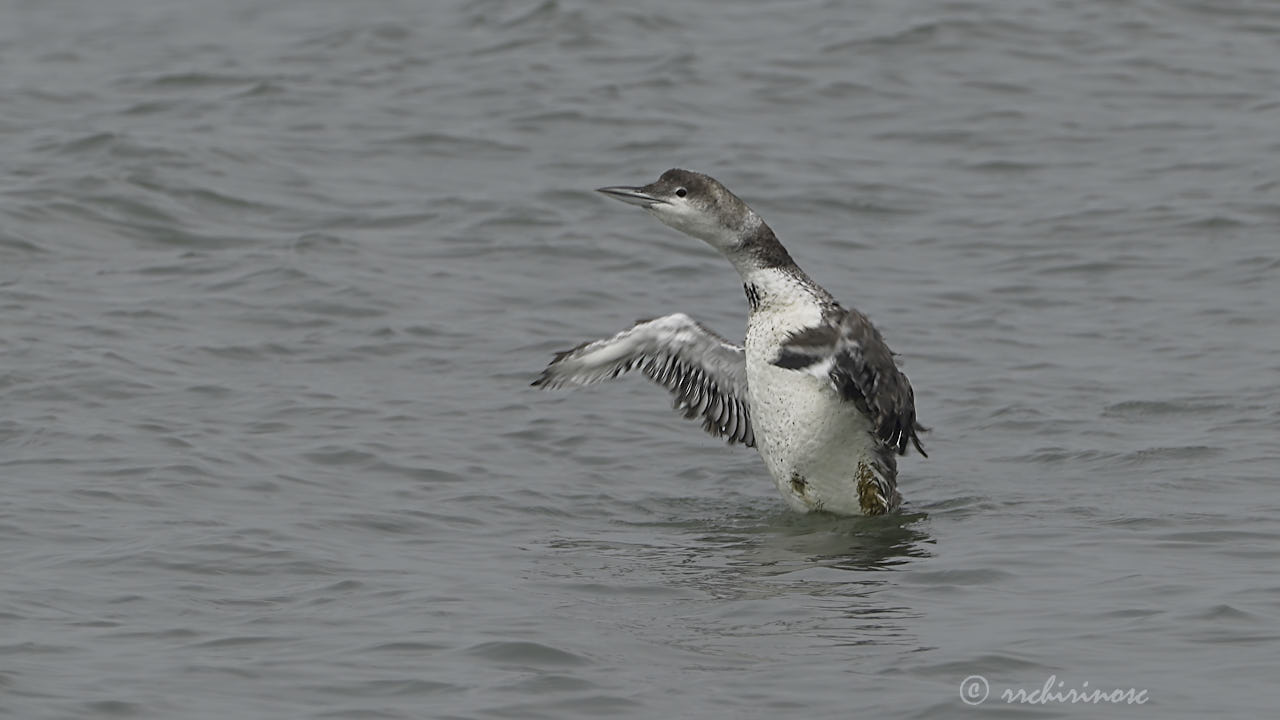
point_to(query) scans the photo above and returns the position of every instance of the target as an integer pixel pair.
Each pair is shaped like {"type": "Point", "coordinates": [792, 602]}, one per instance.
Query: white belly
{"type": "Point", "coordinates": [816, 446]}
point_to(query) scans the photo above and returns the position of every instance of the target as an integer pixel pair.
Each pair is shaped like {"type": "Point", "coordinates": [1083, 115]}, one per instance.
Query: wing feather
{"type": "Point", "coordinates": [849, 352]}
{"type": "Point", "coordinates": [705, 374]}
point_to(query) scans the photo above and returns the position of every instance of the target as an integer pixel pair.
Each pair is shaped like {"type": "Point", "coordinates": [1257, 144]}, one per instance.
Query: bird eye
{"type": "Point", "coordinates": [681, 192]}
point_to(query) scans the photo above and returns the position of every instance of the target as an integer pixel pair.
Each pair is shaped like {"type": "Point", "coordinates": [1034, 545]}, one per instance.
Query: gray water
{"type": "Point", "coordinates": [275, 278]}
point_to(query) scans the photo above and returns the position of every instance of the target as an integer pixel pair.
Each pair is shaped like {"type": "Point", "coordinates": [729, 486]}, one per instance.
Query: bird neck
{"type": "Point", "coordinates": [759, 249]}
{"type": "Point", "coordinates": [779, 287]}
{"type": "Point", "coordinates": [770, 277]}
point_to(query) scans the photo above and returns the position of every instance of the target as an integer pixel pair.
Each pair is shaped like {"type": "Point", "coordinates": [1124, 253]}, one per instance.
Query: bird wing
{"type": "Point", "coordinates": [847, 350]}
{"type": "Point", "coordinates": [706, 374]}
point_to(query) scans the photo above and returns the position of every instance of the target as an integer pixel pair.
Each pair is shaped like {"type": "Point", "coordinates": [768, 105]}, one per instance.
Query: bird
{"type": "Point", "coordinates": [814, 387]}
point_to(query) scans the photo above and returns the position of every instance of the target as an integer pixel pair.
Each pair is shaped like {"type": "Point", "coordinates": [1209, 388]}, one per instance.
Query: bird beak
{"type": "Point", "coordinates": [631, 196]}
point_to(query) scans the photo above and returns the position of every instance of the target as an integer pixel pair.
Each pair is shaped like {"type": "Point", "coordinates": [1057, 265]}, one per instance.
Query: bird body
{"type": "Point", "coordinates": [811, 443]}
{"type": "Point", "coordinates": [814, 387]}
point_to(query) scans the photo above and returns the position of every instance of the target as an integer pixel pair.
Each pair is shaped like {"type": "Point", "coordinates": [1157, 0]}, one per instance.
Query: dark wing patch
{"type": "Point", "coordinates": [705, 374]}
{"type": "Point", "coordinates": [848, 351]}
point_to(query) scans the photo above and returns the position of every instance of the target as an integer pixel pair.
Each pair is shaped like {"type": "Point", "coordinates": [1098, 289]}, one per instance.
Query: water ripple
{"type": "Point", "coordinates": [276, 276]}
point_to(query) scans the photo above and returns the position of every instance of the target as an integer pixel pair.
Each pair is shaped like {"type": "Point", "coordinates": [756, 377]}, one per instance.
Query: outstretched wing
{"type": "Point", "coordinates": [848, 351]}
{"type": "Point", "coordinates": [706, 374]}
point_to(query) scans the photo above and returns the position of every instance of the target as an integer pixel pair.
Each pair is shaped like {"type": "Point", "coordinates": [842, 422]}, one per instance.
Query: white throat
{"type": "Point", "coordinates": [710, 229]}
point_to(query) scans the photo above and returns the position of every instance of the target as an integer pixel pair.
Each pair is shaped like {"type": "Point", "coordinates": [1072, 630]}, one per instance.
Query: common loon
{"type": "Point", "coordinates": [815, 388]}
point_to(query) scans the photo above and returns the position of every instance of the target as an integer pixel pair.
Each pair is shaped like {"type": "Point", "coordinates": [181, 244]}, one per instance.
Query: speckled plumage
{"type": "Point", "coordinates": [814, 387]}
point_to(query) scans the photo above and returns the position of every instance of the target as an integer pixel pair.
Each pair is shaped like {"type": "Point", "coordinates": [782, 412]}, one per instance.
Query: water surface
{"type": "Point", "coordinates": [275, 278]}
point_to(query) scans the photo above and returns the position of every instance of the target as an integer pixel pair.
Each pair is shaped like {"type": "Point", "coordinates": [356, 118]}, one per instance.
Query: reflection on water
{"type": "Point", "coordinates": [789, 541]}
{"type": "Point", "coordinates": [765, 539]}
{"type": "Point", "coordinates": [761, 575]}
